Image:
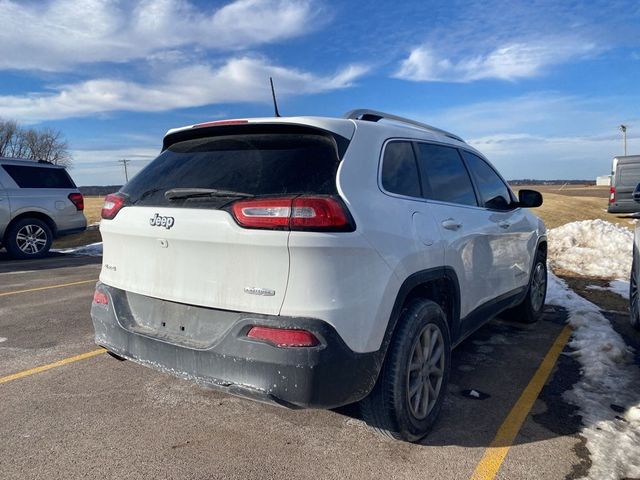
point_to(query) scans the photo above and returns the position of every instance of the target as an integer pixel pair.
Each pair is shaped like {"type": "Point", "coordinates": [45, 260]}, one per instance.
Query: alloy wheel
{"type": "Point", "coordinates": [425, 371]}
{"type": "Point", "coordinates": [31, 239]}
{"type": "Point", "coordinates": [538, 286]}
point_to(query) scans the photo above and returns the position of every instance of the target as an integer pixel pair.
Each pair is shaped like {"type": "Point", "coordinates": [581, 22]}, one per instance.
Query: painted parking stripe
{"type": "Point", "coordinates": [495, 454]}
{"type": "Point", "coordinates": [49, 366]}
{"type": "Point", "coordinates": [16, 292]}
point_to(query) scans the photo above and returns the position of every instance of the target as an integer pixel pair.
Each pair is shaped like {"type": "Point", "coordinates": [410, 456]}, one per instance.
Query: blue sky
{"type": "Point", "coordinates": [538, 86]}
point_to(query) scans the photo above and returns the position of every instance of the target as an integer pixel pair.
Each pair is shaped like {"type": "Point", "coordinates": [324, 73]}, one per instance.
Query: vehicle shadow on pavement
{"type": "Point", "coordinates": [497, 362]}
{"type": "Point", "coordinates": [52, 260]}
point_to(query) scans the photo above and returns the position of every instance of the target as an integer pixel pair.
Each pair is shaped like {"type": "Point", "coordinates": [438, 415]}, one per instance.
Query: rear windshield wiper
{"type": "Point", "coordinates": [181, 193]}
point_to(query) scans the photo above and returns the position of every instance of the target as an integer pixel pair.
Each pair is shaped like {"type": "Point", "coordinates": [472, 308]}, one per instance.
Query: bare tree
{"type": "Point", "coordinates": [44, 144]}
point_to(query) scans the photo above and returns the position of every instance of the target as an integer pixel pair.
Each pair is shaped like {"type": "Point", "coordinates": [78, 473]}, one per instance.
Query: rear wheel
{"type": "Point", "coordinates": [530, 310]}
{"type": "Point", "coordinates": [29, 238]}
{"type": "Point", "coordinates": [408, 396]}
{"type": "Point", "coordinates": [634, 294]}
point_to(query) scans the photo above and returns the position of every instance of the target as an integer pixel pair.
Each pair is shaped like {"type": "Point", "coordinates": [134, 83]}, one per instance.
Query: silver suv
{"type": "Point", "coordinates": [38, 202]}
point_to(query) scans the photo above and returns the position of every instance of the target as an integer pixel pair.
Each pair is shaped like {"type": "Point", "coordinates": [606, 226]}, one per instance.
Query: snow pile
{"type": "Point", "coordinates": [593, 248]}
{"type": "Point", "coordinates": [619, 287]}
{"type": "Point", "coordinates": [608, 377]}
{"type": "Point", "coordinates": [93, 250]}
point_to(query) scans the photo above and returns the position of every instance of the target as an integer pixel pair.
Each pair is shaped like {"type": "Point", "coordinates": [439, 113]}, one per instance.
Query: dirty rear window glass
{"type": "Point", "coordinates": [256, 164]}
{"type": "Point", "coordinates": [39, 177]}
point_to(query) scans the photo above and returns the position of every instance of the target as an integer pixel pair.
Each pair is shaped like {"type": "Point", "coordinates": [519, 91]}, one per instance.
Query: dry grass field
{"type": "Point", "coordinates": [573, 203]}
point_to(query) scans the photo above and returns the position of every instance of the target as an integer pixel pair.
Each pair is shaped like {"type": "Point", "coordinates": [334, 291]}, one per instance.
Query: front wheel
{"type": "Point", "coordinates": [530, 310]}
{"type": "Point", "coordinates": [29, 238]}
{"type": "Point", "coordinates": [407, 398]}
{"type": "Point", "coordinates": [634, 294]}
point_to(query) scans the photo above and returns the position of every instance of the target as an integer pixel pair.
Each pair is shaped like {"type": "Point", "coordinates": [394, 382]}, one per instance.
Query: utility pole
{"type": "Point", "coordinates": [623, 129]}
{"type": "Point", "coordinates": [125, 162]}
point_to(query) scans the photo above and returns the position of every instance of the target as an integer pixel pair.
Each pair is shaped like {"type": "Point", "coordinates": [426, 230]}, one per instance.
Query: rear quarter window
{"type": "Point", "coordinates": [39, 177]}
{"type": "Point", "coordinates": [399, 169]}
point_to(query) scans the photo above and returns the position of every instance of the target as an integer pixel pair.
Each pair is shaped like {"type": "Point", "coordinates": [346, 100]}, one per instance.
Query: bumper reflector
{"type": "Point", "coordinates": [283, 337]}
{"type": "Point", "coordinates": [100, 298]}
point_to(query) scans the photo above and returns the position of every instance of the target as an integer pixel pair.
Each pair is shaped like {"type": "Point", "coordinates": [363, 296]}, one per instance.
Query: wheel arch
{"type": "Point", "coordinates": [439, 285]}
{"type": "Point", "coordinates": [31, 214]}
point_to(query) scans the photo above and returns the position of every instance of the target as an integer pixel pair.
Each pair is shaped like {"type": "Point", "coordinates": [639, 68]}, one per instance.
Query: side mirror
{"type": "Point", "coordinates": [636, 194]}
{"type": "Point", "coordinates": [532, 199]}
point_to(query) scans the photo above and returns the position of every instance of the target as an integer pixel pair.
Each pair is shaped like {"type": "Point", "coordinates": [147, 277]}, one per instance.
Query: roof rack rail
{"type": "Point", "coordinates": [374, 116]}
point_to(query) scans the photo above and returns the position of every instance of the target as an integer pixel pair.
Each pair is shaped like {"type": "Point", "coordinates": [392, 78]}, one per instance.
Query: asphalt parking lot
{"type": "Point", "coordinates": [96, 416]}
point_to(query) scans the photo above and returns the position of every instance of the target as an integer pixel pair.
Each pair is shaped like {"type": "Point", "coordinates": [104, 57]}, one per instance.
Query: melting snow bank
{"type": "Point", "coordinates": [619, 287]}
{"type": "Point", "coordinates": [593, 248]}
{"type": "Point", "coordinates": [93, 249]}
{"type": "Point", "coordinates": [608, 377]}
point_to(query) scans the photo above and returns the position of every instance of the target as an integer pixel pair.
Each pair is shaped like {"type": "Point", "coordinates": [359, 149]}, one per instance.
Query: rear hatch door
{"type": "Point", "coordinates": [188, 248]}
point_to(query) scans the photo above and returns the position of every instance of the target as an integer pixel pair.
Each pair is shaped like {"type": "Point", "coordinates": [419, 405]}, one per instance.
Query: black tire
{"type": "Point", "coordinates": [387, 407]}
{"type": "Point", "coordinates": [634, 294]}
{"type": "Point", "coordinates": [531, 308]}
{"type": "Point", "coordinates": [28, 238]}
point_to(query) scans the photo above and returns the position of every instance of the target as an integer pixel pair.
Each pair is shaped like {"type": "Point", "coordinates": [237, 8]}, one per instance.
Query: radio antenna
{"type": "Point", "coordinates": [273, 94]}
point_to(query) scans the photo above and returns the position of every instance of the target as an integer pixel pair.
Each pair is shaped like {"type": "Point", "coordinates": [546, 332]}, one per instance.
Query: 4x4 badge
{"type": "Point", "coordinates": [159, 221]}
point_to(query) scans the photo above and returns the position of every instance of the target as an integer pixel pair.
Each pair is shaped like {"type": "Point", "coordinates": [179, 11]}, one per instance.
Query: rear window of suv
{"type": "Point", "coordinates": [259, 164]}
{"type": "Point", "coordinates": [39, 177]}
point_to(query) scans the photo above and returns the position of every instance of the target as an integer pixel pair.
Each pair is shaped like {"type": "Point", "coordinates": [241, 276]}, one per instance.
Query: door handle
{"type": "Point", "coordinates": [504, 225]}
{"type": "Point", "coordinates": [451, 224]}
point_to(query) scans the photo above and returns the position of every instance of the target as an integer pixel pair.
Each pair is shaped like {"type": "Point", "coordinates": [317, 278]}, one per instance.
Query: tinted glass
{"type": "Point", "coordinates": [257, 164]}
{"type": "Point", "coordinates": [399, 170]}
{"type": "Point", "coordinates": [493, 191]}
{"type": "Point", "coordinates": [444, 175]}
{"type": "Point", "coordinates": [39, 177]}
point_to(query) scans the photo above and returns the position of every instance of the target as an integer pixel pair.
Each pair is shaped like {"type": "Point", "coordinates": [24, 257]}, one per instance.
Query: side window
{"type": "Point", "coordinates": [399, 170]}
{"type": "Point", "coordinates": [494, 192]}
{"type": "Point", "coordinates": [39, 177]}
{"type": "Point", "coordinates": [444, 176]}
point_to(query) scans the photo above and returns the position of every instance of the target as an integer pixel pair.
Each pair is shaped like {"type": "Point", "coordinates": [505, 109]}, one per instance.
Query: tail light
{"type": "Point", "coordinates": [612, 195]}
{"type": "Point", "coordinates": [78, 200]}
{"type": "Point", "coordinates": [112, 205]}
{"type": "Point", "coordinates": [283, 337]}
{"type": "Point", "coordinates": [293, 213]}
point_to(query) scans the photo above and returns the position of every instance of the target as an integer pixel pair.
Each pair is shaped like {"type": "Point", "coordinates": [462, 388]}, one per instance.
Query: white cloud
{"type": "Point", "coordinates": [243, 79]}
{"type": "Point", "coordinates": [508, 62]}
{"type": "Point", "coordinates": [544, 135]}
{"type": "Point", "coordinates": [59, 34]}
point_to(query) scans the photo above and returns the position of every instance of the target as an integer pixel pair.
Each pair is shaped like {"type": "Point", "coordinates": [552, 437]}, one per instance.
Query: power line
{"type": "Point", "coordinates": [124, 163]}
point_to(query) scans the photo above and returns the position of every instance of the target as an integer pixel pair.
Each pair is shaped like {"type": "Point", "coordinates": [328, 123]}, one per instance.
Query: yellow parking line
{"type": "Point", "coordinates": [495, 454]}
{"type": "Point", "coordinates": [48, 287]}
{"type": "Point", "coordinates": [44, 368]}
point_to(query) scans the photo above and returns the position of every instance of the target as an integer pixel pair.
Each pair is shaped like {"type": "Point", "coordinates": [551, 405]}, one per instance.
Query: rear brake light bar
{"type": "Point", "coordinates": [113, 203]}
{"type": "Point", "coordinates": [612, 195]}
{"type": "Point", "coordinates": [293, 213]}
{"type": "Point", "coordinates": [220, 122]}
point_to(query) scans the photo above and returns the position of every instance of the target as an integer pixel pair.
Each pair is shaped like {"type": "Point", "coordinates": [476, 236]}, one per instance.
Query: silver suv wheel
{"type": "Point", "coordinates": [31, 239]}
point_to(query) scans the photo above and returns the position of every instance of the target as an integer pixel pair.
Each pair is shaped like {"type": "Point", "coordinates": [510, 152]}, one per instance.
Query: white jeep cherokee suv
{"type": "Point", "coordinates": [316, 262]}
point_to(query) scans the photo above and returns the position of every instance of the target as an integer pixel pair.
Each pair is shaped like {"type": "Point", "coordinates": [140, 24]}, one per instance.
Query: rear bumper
{"type": "Point", "coordinates": [624, 207]}
{"type": "Point", "coordinates": [210, 347]}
